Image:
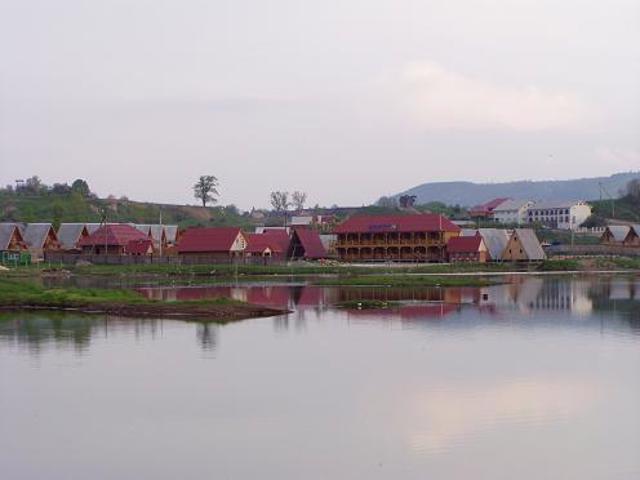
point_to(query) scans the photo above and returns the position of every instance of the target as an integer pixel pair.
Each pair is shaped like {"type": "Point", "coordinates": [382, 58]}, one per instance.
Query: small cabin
{"type": "Point", "coordinates": [523, 246]}
{"type": "Point", "coordinates": [467, 249]}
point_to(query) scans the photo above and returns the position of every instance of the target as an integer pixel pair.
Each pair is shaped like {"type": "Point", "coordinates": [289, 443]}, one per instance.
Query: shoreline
{"type": "Point", "coordinates": [197, 313]}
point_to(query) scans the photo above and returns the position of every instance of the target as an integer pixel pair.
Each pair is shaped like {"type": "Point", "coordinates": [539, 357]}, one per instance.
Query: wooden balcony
{"type": "Point", "coordinates": [390, 243]}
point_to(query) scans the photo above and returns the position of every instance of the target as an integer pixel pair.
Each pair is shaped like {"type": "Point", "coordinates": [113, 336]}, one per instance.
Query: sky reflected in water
{"type": "Point", "coordinates": [535, 379]}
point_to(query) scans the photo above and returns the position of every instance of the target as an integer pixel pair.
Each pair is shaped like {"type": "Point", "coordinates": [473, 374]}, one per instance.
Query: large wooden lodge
{"type": "Point", "coordinates": [417, 238]}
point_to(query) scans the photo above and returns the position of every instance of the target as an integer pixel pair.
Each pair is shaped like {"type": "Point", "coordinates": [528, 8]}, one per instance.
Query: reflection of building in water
{"type": "Point", "coordinates": [529, 293]}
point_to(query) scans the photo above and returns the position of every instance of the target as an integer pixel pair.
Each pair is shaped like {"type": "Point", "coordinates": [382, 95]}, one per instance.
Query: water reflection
{"type": "Point", "coordinates": [540, 299]}
{"type": "Point", "coordinates": [543, 370]}
{"type": "Point", "coordinates": [578, 296]}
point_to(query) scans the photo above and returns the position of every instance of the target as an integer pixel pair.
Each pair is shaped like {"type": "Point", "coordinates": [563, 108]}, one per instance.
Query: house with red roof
{"type": "Point", "coordinates": [417, 237]}
{"type": "Point", "coordinates": [485, 210]}
{"type": "Point", "coordinates": [467, 249]}
{"type": "Point", "coordinates": [111, 239]}
{"type": "Point", "coordinates": [213, 243]}
{"type": "Point", "coordinates": [141, 247]}
{"type": "Point", "coordinates": [306, 245]}
{"type": "Point", "coordinates": [267, 245]}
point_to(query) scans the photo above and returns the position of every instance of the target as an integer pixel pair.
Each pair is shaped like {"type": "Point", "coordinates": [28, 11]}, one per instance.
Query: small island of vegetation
{"type": "Point", "coordinates": [20, 295]}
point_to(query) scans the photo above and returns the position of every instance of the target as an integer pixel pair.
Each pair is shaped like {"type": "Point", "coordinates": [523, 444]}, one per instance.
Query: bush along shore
{"type": "Point", "coordinates": [224, 272]}
{"type": "Point", "coordinates": [22, 295]}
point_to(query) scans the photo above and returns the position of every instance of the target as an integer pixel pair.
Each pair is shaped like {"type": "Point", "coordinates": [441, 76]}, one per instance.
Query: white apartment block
{"type": "Point", "coordinates": [512, 211]}
{"type": "Point", "coordinates": [561, 215]}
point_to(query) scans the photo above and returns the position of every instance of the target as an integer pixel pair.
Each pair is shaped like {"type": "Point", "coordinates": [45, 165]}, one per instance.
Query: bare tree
{"type": "Point", "coordinates": [388, 202]}
{"type": "Point", "coordinates": [298, 199]}
{"type": "Point", "coordinates": [280, 203]}
{"type": "Point", "coordinates": [205, 189]}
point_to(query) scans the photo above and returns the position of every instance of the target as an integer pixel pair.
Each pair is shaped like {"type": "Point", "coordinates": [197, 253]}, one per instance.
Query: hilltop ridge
{"type": "Point", "coordinates": [470, 193]}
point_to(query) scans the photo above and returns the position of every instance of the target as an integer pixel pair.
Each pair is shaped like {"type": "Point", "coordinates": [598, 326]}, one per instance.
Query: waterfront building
{"type": "Point", "coordinates": [523, 245]}
{"type": "Point", "coordinates": [222, 243]}
{"type": "Point", "coordinates": [306, 245]}
{"type": "Point", "coordinates": [467, 249]}
{"type": "Point", "coordinates": [111, 239]}
{"type": "Point", "coordinates": [419, 238]}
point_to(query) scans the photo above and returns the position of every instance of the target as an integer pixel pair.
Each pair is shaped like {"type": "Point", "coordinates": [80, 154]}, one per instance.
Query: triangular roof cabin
{"type": "Point", "coordinates": [523, 245]}
{"type": "Point", "coordinates": [615, 234]}
{"type": "Point", "coordinates": [69, 234]}
{"type": "Point", "coordinates": [41, 236]}
{"type": "Point", "coordinates": [11, 238]}
{"type": "Point", "coordinates": [633, 237]}
{"type": "Point", "coordinates": [306, 244]}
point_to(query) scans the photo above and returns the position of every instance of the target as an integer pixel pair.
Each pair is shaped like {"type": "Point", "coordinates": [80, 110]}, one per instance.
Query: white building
{"type": "Point", "coordinates": [561, 215]}
{"type": "Point", "coordinates": [512, 211]}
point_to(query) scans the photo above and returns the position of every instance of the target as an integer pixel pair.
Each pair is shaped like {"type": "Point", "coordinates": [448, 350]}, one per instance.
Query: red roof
{"type": "Point", "coordinates": [280, 238]}
{"type": "Point", "coordinates": [259, 242]}
{"type": "Point", "coordinates": [311, 243]}
{"type": "Point", "coordinates": [425, 222]}
{"type": "Point", "coordinates": [139, 247]}
{"type": "Point", "coordinates": [464, 244]}
{"type": "Point", "coordinates": [489, 206]}
{"type": "Point", "coordinates": [210, 239]}
{"type": "Point", "coordinates": [116, 234]}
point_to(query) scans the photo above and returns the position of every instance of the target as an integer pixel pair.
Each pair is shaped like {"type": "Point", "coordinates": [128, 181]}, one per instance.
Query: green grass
{"type": "Point", "coordinates": [230, 271]}
{"type": "Point", "coordinates": [20, 292]}
{"type": "Point", "coordinates": [559, 265]}
{"type": "Point", "coordinates": [404, 281]}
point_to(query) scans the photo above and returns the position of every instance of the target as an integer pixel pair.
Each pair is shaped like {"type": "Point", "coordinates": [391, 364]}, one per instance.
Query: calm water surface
{"type": "Point", "coordinates": [539, 379]}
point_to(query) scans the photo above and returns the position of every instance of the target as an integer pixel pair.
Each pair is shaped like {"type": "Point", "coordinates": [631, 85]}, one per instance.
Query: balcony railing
{"type": "Point", "coordinates": [390, 243]}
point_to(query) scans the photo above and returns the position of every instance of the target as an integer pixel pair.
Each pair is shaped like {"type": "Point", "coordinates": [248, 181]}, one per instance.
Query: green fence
{"type": "Point", "coordinates": [15, 258]}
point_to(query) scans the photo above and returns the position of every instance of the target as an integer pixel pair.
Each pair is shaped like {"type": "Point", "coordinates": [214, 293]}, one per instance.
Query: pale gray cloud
{"type": "Point", "coordinates": [141, 96]}
{"type": "Point", "coordinates": [440, 99]}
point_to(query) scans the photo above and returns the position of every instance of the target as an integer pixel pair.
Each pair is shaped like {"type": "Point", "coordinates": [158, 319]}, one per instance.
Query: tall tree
{"type": "Point", "coordinates": [298, 199]}
{"type": "Point", "coordinates": [205, 189]}
{"type": "Point", "coordinates": [280, 203]}
{"type": "Point", "coordinates": [80, 186]}
{"type": "Point", "coordinates": [407, 201]}
{"type": "Point", "coordinates": [633, 190]}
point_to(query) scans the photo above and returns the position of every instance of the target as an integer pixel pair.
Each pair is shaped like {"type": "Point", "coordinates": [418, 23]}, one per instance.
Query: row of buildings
{"type": "Point", "coordinates": [361, 238]}
{"type": "Point", "coordinates": [563, 215]}
{"type": "Point", "coordinates": [621, 236]}
{"type": "Point", "coordinates": [430, 238]}
{"type": "Point", "coordinates": [125, 239]}
{"type": "Point", "coordinates": [34, 239]}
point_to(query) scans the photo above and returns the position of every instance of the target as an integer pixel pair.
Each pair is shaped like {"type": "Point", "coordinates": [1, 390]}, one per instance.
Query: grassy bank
{"type": "Point", "coordinates": [232, 271]}
{"type": "Point", "coordinates": [25, 295]}
{"type": "Point", "coordinates": [223, 272]}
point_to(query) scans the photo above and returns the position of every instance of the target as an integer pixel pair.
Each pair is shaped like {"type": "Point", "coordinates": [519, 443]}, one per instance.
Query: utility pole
{"type": "Point", "coordinates": [161, 231]}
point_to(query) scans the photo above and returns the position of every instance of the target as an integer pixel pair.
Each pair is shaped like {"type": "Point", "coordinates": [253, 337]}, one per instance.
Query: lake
{"type": "Point", "coordinates": [535, 379]}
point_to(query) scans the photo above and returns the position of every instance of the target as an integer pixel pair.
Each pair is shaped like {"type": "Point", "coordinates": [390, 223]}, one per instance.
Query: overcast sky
{"type": "Point", "coordinates": [345, 99]}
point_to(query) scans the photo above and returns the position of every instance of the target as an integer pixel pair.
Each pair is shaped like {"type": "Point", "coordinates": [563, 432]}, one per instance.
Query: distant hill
{"type": "Point", "coordinates": [469, 193]}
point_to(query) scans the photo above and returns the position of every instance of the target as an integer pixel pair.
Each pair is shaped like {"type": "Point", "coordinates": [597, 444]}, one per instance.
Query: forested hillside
{"type": "Point", "coordinates": [37, 202]}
